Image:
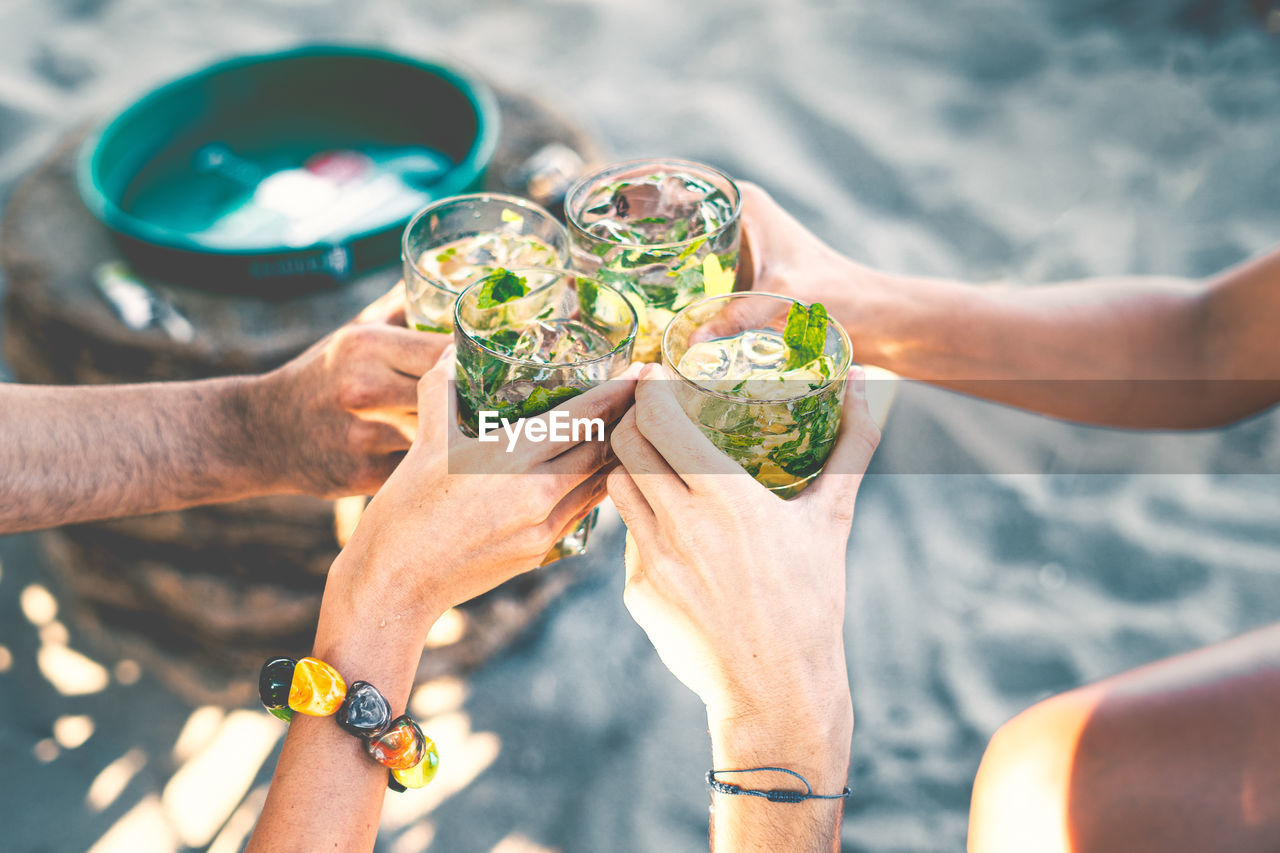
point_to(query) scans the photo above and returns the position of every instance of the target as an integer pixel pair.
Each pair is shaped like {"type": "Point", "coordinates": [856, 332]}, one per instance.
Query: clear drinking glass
{"type": "Point", "coordinates": [765, 398]}
{"type": "Point", "coordinates": [453, 241]}
{"type": "Point", "coordinates": [529, 339]}
{"type": "Point", "coordinates": [664, 232]}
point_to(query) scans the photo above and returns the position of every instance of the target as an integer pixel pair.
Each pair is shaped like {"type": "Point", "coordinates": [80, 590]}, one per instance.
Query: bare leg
{"type": "Point", "coordinates": [1181, 755]}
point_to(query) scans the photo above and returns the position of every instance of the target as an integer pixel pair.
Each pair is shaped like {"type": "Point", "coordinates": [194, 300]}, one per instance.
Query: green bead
{"type": "Point", "coordinates": [285, 713]}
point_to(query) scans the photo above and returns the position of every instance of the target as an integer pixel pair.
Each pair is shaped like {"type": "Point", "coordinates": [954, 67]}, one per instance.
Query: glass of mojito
{"type": "Point", "coordinates": [529, 339]}
{"type": "Point", "coordinates": [452, 242]}
{"type": "Point", "coordinates": [762, 377]}
{"type": "Point", "coordinates": [663, 232]}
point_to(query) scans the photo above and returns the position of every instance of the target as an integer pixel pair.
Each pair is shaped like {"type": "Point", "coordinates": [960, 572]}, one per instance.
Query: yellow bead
{"type": "Point", "coordinates": [423, 772]}
{"type": "Point", "coordinates": [316, 690]}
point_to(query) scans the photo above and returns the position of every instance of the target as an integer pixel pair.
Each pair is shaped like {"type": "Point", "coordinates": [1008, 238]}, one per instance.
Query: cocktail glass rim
{"type": "Point", "coordinates": [671, 164]}
{"type": "Point", "coordinates": [448, 201]}
{"type": "Point", "coordinates": [628, 340]}
{"type": "Point", "coordinates": [841, 369]}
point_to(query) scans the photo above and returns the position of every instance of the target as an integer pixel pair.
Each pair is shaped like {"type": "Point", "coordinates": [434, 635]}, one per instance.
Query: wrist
{"type": "Point", "coordinates": [366, 587]}
{"type": "Point", "coordinates": [871, 305]}
{"type": "Point", "coordinates": [803, 724]}
{"type": "Point", "coordinates": [901, 323]}
{"type": "Point", "coordinates": [369, 631]}
{"type": "Point", "coordinates": [814, 746]}
{"type": "Point", "coordinates": [406, 565]}
{"type": "Point", "coordinates": [250, 440]}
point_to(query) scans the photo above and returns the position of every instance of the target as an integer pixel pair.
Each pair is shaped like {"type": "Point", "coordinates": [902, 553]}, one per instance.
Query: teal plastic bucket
{"type": "Point", "coordinates": [285, 172]}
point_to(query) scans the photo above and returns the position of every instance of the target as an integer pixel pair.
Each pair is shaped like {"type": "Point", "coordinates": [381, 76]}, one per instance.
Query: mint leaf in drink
{"type": "Point", "coordinates": [805, 334]}
{"type": "Point", "coordinates": [503, 341]}
{"type": "Point", "coordinates": [499, 287]}
{"type": "Point", "coordinates": [423, 327]}
{"type": "Point", "coordinates": [546, 399]}
{"type": "Point", "coordinates": [588, 290]}
{"type": "Point", "coordinates": [815, 336]}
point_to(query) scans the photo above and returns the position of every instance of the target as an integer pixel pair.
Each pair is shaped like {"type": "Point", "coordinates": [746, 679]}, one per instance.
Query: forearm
{"type": "Point", "coordinates": [327, 791]}
{"type": "Point", "coordinates": [805, 734]}
{"type": "Point", "coordinates": [78, 454]}
{"type": "Point", "coordinates": [1134, 352]}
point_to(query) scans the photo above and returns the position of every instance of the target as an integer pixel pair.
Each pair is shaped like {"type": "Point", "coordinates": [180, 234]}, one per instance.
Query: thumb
{"type": "Point", "coordinates": [436, 397]}
{"type": "Point", "coordinates": [838, 484]}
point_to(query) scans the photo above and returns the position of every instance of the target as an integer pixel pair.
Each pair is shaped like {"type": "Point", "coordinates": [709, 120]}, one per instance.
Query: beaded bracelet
{"type": "Point", "coordinates": [774, 796]}
{"type": "Point", "coordinates": [312, 687]}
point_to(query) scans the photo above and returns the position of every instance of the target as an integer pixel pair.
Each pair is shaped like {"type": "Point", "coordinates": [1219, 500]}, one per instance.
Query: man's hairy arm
{"type": "Point", "coordinates": [333, 421]}
{"type": "Point", "coordinates": [78, 454]}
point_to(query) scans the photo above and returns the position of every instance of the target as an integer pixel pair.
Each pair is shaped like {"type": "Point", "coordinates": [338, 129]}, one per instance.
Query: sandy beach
{"type": "Point", "coordinates": [999, 140]}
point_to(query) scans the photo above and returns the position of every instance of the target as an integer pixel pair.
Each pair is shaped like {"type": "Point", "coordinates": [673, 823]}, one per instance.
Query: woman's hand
{"type": "Point", "coordinates": [782, 256]}
{"type": "Point", "coordinates": [777, 249]}
{"type": "Point", "coordinates": [455, 519]}
{"type": "Point", "coordinates": [743, 594]}
{"type": "Point", "coordinates": [459, 516]}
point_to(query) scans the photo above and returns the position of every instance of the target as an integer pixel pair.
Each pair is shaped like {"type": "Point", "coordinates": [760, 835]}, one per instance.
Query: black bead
{"type": "Point", "coordinates": [364, 712]}
{"type": "Point", "coordinates": [274, 682]}
{"type": "Point", "coordinates": [393, 784]}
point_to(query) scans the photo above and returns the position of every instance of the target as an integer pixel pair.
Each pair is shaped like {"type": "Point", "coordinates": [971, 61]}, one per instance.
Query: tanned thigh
{"type": "Point", "coordinates": [1182, 755]}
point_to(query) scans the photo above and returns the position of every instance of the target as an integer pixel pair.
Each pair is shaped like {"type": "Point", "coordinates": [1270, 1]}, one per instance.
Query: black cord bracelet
{"type": "Point", "coordinates": [772, 796]}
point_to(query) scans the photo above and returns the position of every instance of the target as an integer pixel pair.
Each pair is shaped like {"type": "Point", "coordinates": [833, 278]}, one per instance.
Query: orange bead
{"type": "Point", "coordinates": [316, 690]}
{"type": "Point", "coordinates": [401, 746]}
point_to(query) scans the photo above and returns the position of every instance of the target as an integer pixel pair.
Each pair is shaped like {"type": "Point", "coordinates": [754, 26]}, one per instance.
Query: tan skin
{"type": "Point", "coordinates": [1177, 756]}
{"type": "Point", "coordinates": [338, 420]}
{"type": "Point", "coordinates": [742, 595]}
{"type": "Point", "coordinates": [409, 560]}
{"type": "Point", "coordinates": [1180, 755]}
{"type": "Point", "coordinates": [332, 422]}
{"type": "Point", "coordinates": [1086, 351]}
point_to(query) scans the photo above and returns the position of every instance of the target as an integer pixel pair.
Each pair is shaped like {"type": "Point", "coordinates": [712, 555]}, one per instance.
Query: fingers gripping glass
{"type": "Point", "coordinates": [529, 339]}
{"type": "Point", "coordinates": [762, 376]}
